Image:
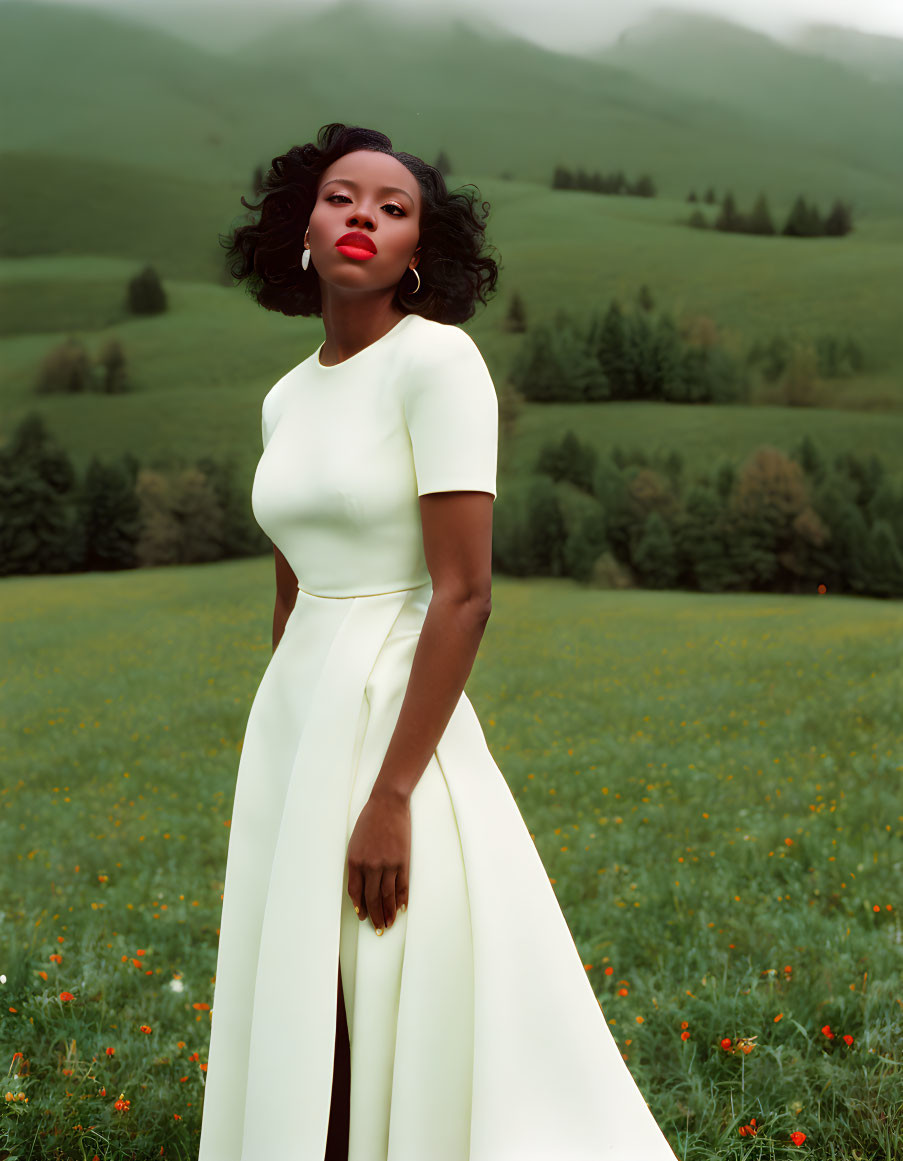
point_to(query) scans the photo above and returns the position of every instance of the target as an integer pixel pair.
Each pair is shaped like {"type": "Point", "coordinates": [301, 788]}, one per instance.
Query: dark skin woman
{"type": "Point", "coordinates": [375, 194]}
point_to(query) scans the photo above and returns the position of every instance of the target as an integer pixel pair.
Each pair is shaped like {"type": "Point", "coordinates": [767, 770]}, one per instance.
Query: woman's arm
{"type": "Point", "coordinates": [457, 542]}
{"type": "Point", "coordinates": [286, 595]}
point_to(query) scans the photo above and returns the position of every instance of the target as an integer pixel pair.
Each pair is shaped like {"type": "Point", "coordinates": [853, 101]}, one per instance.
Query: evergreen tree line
{"type": "Point", "coordinates": [804, 220]}
{"type": "Point", "coordinates": [778, 523]}
{"type": "Point", "coordinates": [636, 355]}
{"type": "Point", "coordinates": [613, 183]}
{"type": "Point", "coordinates": [624, 356]}
{"type": "Point", "coordinates": [119, 515]}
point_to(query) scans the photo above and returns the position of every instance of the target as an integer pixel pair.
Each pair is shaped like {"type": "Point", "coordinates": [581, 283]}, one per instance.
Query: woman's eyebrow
{"type": "Point", "coordinates": [354, 185]}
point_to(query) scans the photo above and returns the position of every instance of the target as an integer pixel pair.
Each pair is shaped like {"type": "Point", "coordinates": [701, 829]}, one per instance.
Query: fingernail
{"type": "Point", "coordinates": [403, 907]}
{"type": "Point", "coordinates": [357, 910]}
{"type": "Point", "coordinates": [379, 931]}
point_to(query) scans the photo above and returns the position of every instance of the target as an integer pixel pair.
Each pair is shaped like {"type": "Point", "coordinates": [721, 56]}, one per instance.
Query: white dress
{"type": "Point", "coordinates": [475, 1034]}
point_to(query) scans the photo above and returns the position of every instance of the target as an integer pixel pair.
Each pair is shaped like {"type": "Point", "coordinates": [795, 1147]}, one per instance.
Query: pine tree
{"type": "Point", "coordinates": [40, 531]}
{"type": "Point", "coordinates": [111, 516]}
{"type": "Point", "coordinates": [585, 543]}
{"type": "Point", "coordinates": [145, 293]}
{"type": "Point", "coordinates": [839, 221]}
{"type": "Point", "coordinates": [443, 163]}
{"type": "Point", "coordinates": [555, 365]}
{"type": "Point", "coordinates": [729, 218]}
{"type": "Point", "coordinates": [546, 528]}
{"type": "Point", "coordinates": [810, 458]}
{"type": "Point", "coordinates": [516, 319]}
{"type": "Point", "coordinates": [851, 535]}
{"type": "Point", "coordinates": [607, 342]}
{"type": "Point", "coordinates": [886, 504]}
{"type": "Point", "coordinates": [113, 378]}
{"type": "Point", "coordinates": [700, 541]}
{"type": "Point", "coordinates": [759, 221]}
{"type": "Point", "coordinates": [654, 557]}
{"type": "Point", "coordinates": [885, 562]}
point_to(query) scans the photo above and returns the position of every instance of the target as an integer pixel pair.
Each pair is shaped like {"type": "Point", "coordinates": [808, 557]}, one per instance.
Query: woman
{"type": "Point", "coordinates": [395, 980]}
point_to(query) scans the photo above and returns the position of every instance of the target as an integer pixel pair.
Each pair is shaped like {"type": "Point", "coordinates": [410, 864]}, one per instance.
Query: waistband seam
{"type": "Point", "coordinates": [357, 596]}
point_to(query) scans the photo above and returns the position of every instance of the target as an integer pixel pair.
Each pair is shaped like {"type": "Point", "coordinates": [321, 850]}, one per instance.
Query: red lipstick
{"type": "Point", "coordinates": [356, 245]}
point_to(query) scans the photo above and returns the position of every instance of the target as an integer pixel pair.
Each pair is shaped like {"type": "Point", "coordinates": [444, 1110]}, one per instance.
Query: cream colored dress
{"type": "Point", "coordinates": [475, 1034]}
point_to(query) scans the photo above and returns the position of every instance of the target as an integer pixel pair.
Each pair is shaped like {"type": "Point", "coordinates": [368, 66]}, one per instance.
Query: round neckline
{"type": "Point", "coordinates": [362, 351]}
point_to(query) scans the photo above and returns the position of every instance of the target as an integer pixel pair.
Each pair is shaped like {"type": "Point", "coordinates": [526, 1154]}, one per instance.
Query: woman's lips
{"type": "Point", "coordinates": [352, 251]}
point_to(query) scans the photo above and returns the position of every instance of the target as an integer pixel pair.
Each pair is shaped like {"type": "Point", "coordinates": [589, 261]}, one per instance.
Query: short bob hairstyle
{"type": "Point", "coordinates": [267, 253]}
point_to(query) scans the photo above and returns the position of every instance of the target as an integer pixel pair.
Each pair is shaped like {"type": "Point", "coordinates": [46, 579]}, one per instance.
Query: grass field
{"type": "Point", "coordinates": [712, 783]}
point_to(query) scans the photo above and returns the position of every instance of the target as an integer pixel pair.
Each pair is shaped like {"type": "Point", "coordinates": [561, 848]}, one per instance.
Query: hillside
{"type": "Point", "coordinates": [114, 90]}
{"type": "Point", "coordinates": [818, 100]}
{"type": "Point", "coordinates": [137, 147]}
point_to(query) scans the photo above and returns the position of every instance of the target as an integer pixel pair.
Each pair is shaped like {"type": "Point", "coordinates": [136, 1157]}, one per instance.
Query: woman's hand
{"type": "Point", "coordinates": [379, 858]}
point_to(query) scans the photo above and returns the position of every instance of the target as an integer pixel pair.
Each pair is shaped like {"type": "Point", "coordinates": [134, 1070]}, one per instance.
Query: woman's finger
{"type": "Point", "coordinates": [401, 889]}
{"type": "Point", "coordinates": [373, 897]}
{"type": "Point", "coordinates": [388, 896]}
{"type": "Point", "coordinates": [356, 890]}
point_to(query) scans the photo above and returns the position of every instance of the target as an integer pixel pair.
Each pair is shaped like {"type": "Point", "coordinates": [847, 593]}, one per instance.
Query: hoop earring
{"type": "Point", "coordinates": [416, 289]}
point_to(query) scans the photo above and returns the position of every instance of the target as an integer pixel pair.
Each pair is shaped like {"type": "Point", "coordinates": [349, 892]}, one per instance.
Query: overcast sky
{"type": "Point", "coordinates": [569, 23]}
{"type": "Point", "coordinates": [565, 24]}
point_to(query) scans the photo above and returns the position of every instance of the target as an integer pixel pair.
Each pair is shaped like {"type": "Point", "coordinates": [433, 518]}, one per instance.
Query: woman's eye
{"type": "Point", "coordinates": [390, 204]}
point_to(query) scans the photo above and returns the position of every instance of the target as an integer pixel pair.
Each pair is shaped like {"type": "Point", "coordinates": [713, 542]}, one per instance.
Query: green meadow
{"type": "Point", "coordinates": [712, 781]}
{"type": "Point", "coordinates": [712, 784]}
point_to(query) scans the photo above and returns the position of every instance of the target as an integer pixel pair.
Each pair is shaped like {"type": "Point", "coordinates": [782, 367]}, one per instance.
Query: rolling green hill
{"type": "Point", "coordinates": [820, 101]}
{"type": "Point", "coordinates": [877, 57]}
{"type": "Point", "coordinates": [137, 147]}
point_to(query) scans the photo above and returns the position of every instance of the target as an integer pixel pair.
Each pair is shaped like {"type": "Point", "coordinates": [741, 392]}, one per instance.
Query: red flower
{"type": "Point", "coordinates": [848, 1039]}
{"type": "Point", "coordinates": [826, 1030]}
{"type": "Point", "coordinates": [797, 1138]}
{"type": "Point", "coordinates": [66, 996]}
{"type": "Point", "coordinates": [726, 1043]}
{"type": "Point", "coordinates": [748, 1130]}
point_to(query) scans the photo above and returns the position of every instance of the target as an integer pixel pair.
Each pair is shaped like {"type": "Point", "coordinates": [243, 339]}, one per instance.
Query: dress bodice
{"type": "Point", "coordinates": [348, 449]}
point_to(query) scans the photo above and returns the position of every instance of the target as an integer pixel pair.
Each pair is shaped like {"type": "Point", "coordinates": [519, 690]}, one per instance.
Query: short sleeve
{"type": "Point", "coordinates": [451, 411]}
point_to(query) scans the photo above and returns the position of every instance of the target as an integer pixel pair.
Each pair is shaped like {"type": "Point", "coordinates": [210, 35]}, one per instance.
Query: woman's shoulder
{"type": "Point", "coordinates": [431, 349]}
{"type": "Point", "coordinates": [443, 362]}
{"type": "Point", "coordinates": [428, 338]}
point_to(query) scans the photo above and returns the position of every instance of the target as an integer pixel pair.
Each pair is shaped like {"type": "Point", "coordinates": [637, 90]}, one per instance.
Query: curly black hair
{"type": "Point", "coordinates": [453, 271]}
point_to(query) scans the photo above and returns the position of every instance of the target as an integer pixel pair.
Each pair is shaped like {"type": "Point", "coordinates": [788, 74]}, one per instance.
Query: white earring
{"type": "Point", "coordinates": [305, 258]}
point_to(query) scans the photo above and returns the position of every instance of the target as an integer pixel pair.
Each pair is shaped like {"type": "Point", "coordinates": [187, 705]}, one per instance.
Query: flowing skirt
{"type": "Point", "coordinates": [474, 1032]}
